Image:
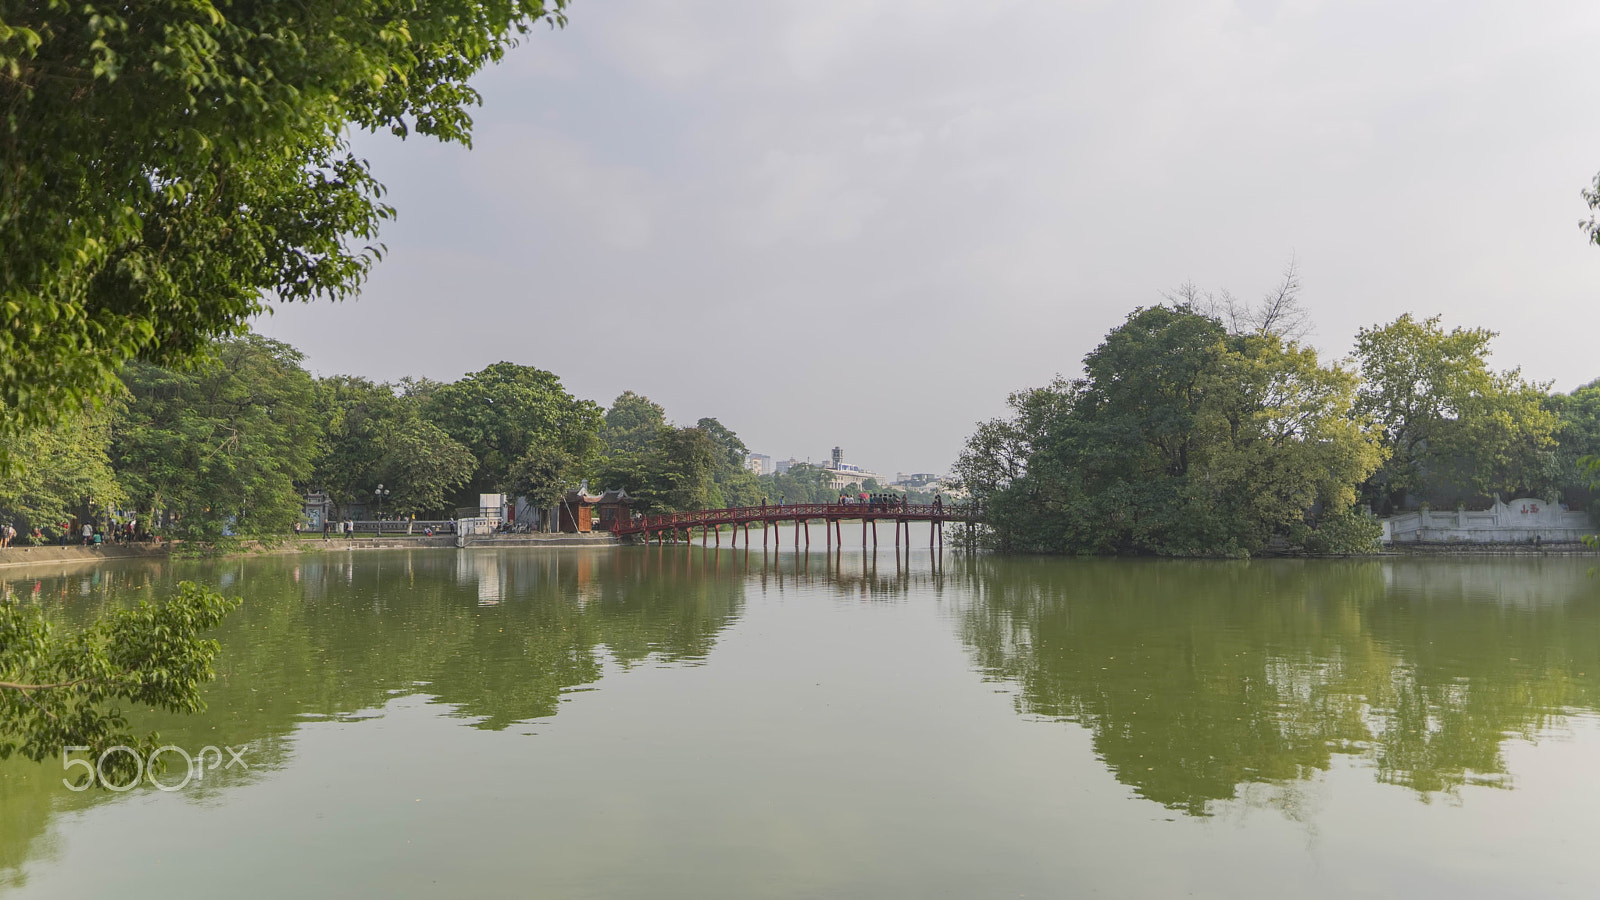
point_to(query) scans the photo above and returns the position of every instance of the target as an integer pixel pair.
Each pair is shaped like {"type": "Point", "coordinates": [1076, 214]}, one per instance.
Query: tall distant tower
{"type": "Point", "coordinates": [838, 457]}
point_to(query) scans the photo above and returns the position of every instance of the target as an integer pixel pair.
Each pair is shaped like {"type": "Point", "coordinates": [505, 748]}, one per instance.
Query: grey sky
{"type": "Point", "coordinates": [865, 223]}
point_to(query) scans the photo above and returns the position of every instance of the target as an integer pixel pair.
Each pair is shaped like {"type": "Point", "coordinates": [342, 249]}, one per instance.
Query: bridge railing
{"type": "Point", "coordinates": [738, 515]}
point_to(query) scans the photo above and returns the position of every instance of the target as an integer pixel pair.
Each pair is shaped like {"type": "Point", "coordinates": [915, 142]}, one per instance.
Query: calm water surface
{"type": "Point", "coordinates": [684, 722]}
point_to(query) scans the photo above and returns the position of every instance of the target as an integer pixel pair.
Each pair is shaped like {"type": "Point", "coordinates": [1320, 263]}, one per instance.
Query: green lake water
{"type": "Point", "coordinates": [671, 722]}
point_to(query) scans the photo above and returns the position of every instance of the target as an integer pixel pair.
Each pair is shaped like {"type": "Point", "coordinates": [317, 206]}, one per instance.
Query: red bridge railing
{"type": "Point", "coordinates": [741, 515]}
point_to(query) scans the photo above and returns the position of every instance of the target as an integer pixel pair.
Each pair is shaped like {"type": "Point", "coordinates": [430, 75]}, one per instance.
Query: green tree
{"type": "Point", "coordinates": [685, 472]}
{"type": "Point", "coordinates": [62, 690]}
{"type": "Point", "coordinates": [544, 475]}
{"type": "Point", "coordinates": [225, 443]}
{"type": "Point", "coordinates": [736, 485]}
{"type": "Point", "coordinates": [1451, 426]}
{"type": "Point", "coordinates": [503, 411]}
{"type": "Point", "coordinates": [632, 423]}
{"type": "Point", "coordinates": [731, 451]}
{"type": "Point", "coordinates": [1577, 438]}
{"type": "Point", "coordinates": [374, 436]}
{"type": "Point", "coordinates": [803, 483]}
{"type": "Point", "coordinates": [165, 166]}
{"type": "Point", "coordinates": [676, 472]}
{"type": "Point", "coordinates": [62, 471]}
{"type": "Point", "coordinates": [1181, 439]}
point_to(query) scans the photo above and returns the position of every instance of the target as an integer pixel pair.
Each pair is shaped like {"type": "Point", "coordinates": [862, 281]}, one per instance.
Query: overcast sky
{"type": "Point", "coordinates": [864, 223]}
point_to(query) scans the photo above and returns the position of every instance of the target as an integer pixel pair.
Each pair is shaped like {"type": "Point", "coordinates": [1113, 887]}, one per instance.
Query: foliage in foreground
{"type": "Point", "coordinates": [63, 690]}
{"type": "Point", "coordinates": [167, 165]}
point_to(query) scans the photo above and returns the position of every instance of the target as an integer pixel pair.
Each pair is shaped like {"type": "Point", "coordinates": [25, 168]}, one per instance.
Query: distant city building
{"type": "Point", "coordinates": [759, 463]}
{"type": "Point", "coordinates": [784, 465]}
{"type": "Point", "coordinates": [916, 480]}
{"type": "Point", "coordinates": [842, 474]}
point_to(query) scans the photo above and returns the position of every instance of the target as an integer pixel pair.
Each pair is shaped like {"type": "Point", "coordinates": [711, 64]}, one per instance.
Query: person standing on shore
{"type": "Point", "coordinates": [88, 534]}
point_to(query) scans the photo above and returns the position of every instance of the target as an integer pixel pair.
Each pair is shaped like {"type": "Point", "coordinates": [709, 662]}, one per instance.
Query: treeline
{"type": "Point", "coordinates": [1206, 428]}
{"type": "Point", "coordinates": [233, 444]}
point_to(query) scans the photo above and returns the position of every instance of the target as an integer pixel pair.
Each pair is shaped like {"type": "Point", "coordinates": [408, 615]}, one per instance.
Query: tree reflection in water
{"type": "Point", "coordinates": [1198, 678]}
{"type": "Point", "coordinates": [497, 638]}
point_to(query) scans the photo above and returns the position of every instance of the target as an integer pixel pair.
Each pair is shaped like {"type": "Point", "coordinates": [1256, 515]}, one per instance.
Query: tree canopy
{"type": "Point", "coordinates": [632, 423]}
{"type": "Point", "coordinates": [167, 166]}
{"type": "Point", "coordinates": [64, 470]}
{"type": "Point", "coordinates": [1181, 439]}
{"type": "Point", "coordinates": [375, 436]}
{"type": "Point", "coordinates": [221, 446]}
{"type": "Point", "coordinates": [502, 411]}
{"type": "Point", "coordinates": [1451, 426]}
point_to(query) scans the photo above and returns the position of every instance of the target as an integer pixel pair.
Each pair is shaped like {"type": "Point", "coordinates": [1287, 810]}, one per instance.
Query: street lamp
{"type": "Point", "coordinates": [378, 496]}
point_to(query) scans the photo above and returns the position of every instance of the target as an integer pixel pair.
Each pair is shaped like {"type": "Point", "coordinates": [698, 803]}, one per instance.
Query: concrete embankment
{"type": "Point", "coordinates": [1462, 548]}
{"type": "Point", "coordinates": [601, 539]}
{"type": "Point", "coordinates": [49, 555]}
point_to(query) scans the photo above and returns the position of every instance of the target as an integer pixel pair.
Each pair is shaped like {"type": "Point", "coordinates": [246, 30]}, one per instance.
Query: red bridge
{"type": "Point", "coordinates": [667, 525]}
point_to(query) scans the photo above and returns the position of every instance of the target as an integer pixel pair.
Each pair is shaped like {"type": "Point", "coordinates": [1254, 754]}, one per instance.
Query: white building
{"type": "Point", "coordinates": [842, 474]}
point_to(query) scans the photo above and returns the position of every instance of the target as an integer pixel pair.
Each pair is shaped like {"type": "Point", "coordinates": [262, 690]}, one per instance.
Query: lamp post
{"type": "Point", "coordinates": [377, 497]}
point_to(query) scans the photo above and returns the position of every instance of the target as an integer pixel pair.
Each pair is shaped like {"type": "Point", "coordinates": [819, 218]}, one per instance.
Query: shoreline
{"type": "Point", "coordinates": [18, 557]}
{"type": "Point", "coordinates": [45, 555]}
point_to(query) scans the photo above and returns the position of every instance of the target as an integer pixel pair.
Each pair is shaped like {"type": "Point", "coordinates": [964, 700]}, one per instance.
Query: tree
{"type": "Point", "coordinates": [1279, 312]}
{"type": "Point", "coordinates": [736, 485]}
{"type": "Point", "coordinates": [676, 472]}
{"type": "Point", "coordinates": [686, 463]}
{"type": "Point", "coordinates": [1180, 439]}
{"type": "Point", "coordinates": [632, 423]}
{"type": "Point", "coordinates": [803, 483]}
{"type": "Point", "coordinates": [374, 436]}
{"type": "Point", "coordinates": [731, 450]}
{"type": "Point", "coordinates": [224, 445]}
{"type": "Point", "coordinates": [166, 166]}
{"type": "Point", "coordinates": [1451, 426]}
{"type": "Point", "coordinates": [1577, 439]}
{"type": "Point", "coordinates": [544, 475]}
{"type": "Point", "coordinates": [62, 471]}
{"type": "Point", "coordinates": [502, 411]}
{"type": "Point", "coordinates": [59, 691]}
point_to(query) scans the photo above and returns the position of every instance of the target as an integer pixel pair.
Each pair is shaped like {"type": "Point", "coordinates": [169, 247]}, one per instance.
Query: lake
{"type": "Point", "coordinates": [689, 722]}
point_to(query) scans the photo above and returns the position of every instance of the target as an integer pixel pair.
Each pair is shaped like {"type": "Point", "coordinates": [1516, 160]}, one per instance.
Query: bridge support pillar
{"type": "Point", "coordinates": [808, 534]}
{"type": "Point", "coordinates": [719, 535]}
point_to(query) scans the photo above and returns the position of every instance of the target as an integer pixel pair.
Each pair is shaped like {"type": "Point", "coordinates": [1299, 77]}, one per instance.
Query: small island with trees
{"type": "Point", "coordinates": [1206, 427]}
